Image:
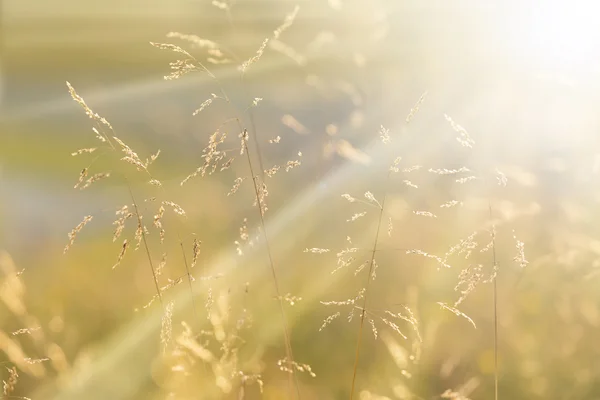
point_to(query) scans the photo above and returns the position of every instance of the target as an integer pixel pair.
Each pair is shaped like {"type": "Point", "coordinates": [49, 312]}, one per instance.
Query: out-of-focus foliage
{"type": "Point", "coordinates": [334, 98]}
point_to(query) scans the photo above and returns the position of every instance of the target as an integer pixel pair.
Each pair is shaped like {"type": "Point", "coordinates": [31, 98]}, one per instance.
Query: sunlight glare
{"type": "Point", "coordinates": [562, 35]}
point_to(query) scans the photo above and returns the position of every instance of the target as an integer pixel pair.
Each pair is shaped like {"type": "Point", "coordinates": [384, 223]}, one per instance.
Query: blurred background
{"type": "Point", "coordinates": [522, 79]}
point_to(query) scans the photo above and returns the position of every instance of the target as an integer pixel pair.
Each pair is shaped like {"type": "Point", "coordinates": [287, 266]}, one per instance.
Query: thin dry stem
{"type": "Point", "coordinates": [286, 334]}
{"type": "Point", "coordinates": [137, 213]}
{"type": "Point", "coordinates": [187, 270]}
{"type": "Point", "coordinates": [495, 265]}
{"type": "Point", "coordinates": [369, 279]}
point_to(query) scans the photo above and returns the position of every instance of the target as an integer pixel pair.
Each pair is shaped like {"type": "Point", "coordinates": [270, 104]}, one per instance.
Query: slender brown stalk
{"type": "Point", "coordinates": [253, 128]}
{"type": "Point", "coordinates": [256, 144]}
{"type": "Point", "coordinates": [187, 270]}
{"type": "Point", "coordinates": [495, 264]}
{"type": "Point", "coordinates": [369, 278]}
{"type": "Point", "coordinates": [293, 380]}
{"type": "Point", "coordinates": [495, 340]}
{"type": "Point", "coordinates": [139, 219]}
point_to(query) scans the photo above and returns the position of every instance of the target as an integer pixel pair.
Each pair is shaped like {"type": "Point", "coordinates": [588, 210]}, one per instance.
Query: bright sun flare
{"type": "Point", "coordinates": [562, 35]}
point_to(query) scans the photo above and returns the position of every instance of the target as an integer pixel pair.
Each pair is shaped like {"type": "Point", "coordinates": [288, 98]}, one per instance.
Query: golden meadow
{"type": "Point", "coordinates": [303, 200]}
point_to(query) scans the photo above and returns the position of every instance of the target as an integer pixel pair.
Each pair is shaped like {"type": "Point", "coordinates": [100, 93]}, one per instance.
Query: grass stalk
{"type": "Point", "coordinates": [495, 265]}
{"type": "Point", "coordinates": [146, 248]}
{"type": "Point", "coordinates": [293, 380]}
{"type": "Point", "coordinates": [369, 278]}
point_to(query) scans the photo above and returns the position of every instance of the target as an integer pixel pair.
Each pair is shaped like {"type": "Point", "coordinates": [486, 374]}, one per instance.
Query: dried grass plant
{"type": "Point", "coordinates": [395, 230]}
{"type": "Point", "coordinates": [216, 158]}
